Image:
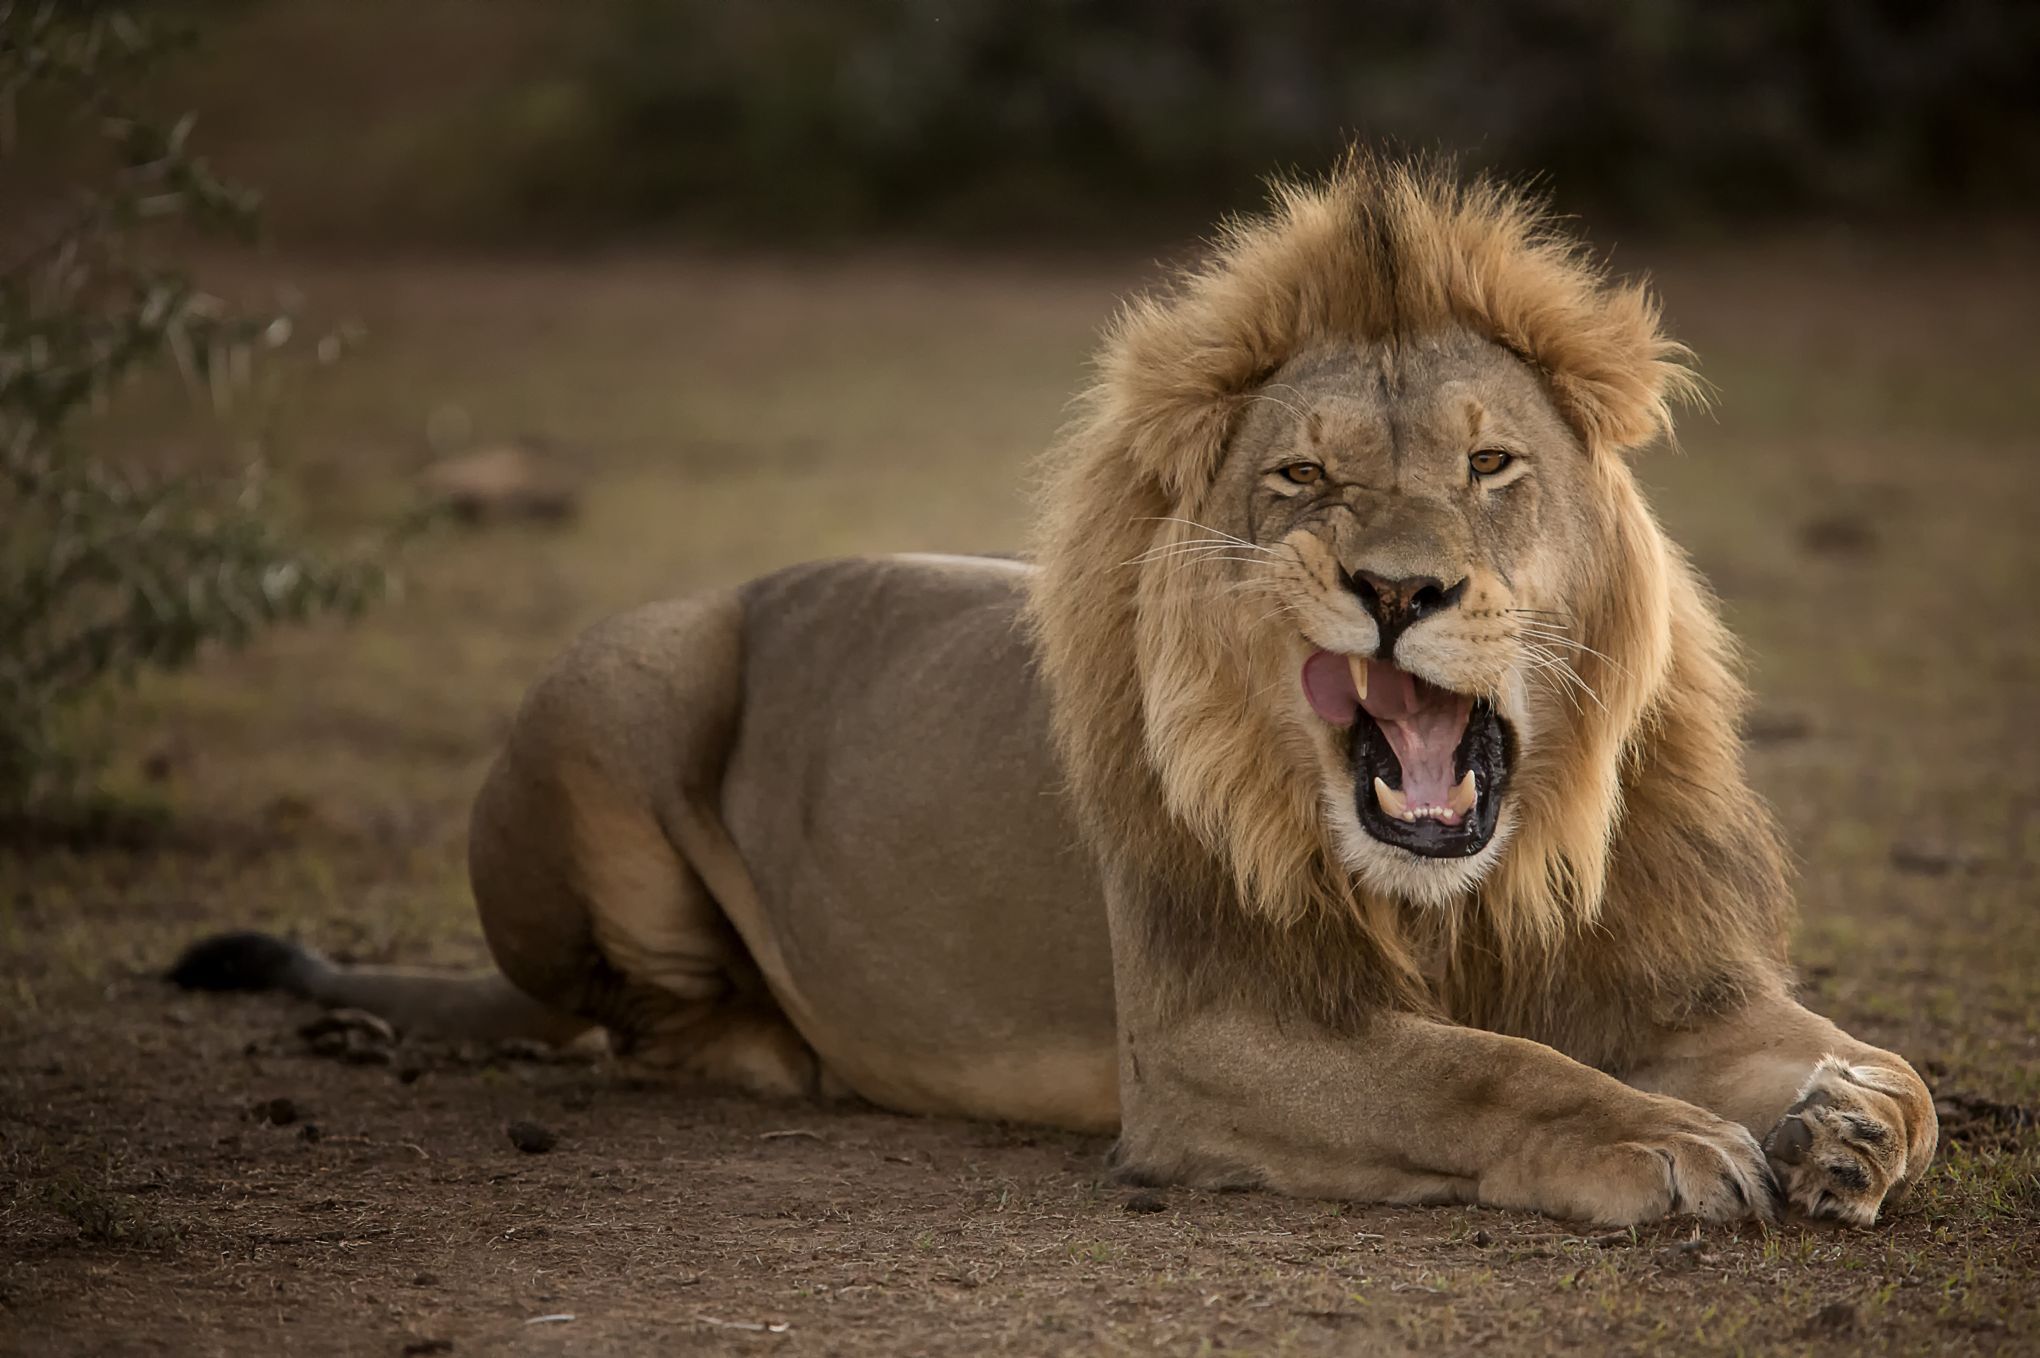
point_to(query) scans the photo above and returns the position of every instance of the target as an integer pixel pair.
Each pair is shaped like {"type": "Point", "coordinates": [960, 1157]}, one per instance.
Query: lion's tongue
{"type": "Point", "coordinates": [1424, 726]}
{"type": "Point", "coordinates": [1423, 723]}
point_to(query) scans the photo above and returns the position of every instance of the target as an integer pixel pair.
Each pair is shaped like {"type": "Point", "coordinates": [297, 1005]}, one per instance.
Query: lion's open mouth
{"type": "Point", "coordinates": [1430, 766]}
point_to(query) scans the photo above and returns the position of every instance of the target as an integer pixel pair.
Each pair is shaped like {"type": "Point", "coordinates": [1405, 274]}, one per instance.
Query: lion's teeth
{"type": "Point", "coordinates": [1391, 801]}
{"type": "Point", "coordinates": [1359, 668]}
{"type": "Point", "coordinates": [1461, 799]}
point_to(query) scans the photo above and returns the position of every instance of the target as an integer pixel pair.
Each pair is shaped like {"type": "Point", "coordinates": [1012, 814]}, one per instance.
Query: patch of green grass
{"type": "Point", "coordinates": [1995, 1186]}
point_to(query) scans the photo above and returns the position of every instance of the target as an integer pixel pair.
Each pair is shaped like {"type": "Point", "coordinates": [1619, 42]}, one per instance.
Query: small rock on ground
{"type": "Point", "coordinates": [531, 1138]}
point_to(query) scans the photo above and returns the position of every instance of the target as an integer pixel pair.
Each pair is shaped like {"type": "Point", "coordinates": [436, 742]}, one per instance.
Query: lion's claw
{"type": "Point", "coordinates": [1721, 1177]}
{"type": "Point", "coordinates": [1684, 1161]}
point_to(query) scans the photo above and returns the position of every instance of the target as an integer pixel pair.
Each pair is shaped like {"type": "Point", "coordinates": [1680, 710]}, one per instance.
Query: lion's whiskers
{"type": "Point", "coordinates": [1550, 632]}
{"type": "Point", "coordinates": [1170, 550]}
{"type": "Point", "coordinates": [1219, 546]}
{"type": "Point", "coordinates": [1240, 560]}
{"type": "Point", "coordinates": [1557, 690]}
{"type": "Point", "coordinates": [1544, 681]}
{"type": "Point", "coordinates": [1203, 528]}
{"type": "Point", "coordinates": [1205, 556]}
{"type": "Point", "coordinates": [1556, 671]}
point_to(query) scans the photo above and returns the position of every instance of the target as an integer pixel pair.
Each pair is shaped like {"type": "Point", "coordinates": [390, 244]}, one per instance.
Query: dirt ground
{"type": "Point", "coordinates": [186, 1174]}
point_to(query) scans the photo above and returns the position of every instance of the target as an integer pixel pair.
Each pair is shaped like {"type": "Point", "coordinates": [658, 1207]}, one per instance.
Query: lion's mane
{"type": "Point", "coordinates": [1194, 794]}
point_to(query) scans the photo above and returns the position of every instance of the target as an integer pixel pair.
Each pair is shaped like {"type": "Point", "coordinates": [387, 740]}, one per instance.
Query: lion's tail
{"type": "Point", "coordinates": [481, 1006]}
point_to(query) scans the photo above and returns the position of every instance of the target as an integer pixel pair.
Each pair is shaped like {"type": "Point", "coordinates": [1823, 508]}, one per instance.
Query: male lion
{"type": "Point", "coordinates": [1347, 802]}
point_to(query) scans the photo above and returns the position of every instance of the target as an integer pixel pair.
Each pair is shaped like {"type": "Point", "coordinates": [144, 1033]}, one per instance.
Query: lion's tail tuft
{"type": "Point", "coordinates": [246, 960]}
{"type": "Point", "coordinates": [483, 1006]}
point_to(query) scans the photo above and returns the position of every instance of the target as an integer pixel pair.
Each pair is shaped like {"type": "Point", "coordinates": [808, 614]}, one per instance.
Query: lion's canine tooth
{"type": "Point", "coordinates": [1462, 797]}
{"type": "Point", "coordinates": [1391, 801]}
{"type": "Point", "coordinates": [1358, 665]}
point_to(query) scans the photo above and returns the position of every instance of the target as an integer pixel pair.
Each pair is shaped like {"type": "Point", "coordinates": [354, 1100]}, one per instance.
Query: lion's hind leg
{"type": "Point", "coordinates": [675, 986]}
{"type": "Point", "coordinates": [587, 897]}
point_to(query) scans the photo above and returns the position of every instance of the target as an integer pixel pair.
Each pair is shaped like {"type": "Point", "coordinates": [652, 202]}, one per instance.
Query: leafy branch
{"type": "Point", "coordinates": [106, 572]}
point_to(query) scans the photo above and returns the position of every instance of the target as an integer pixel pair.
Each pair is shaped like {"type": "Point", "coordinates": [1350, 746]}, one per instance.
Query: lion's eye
{"type": "Point", "coordinates": [1488, 461]}
{"type": "Point", "coordinates": [1304, 473]}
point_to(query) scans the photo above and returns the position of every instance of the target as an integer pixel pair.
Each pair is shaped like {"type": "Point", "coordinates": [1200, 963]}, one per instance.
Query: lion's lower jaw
{"type": "Point", "coordinates": [1435, 883]}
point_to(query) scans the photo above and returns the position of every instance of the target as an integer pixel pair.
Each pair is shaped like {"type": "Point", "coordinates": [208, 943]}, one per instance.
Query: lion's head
{"type": "Point", "coordinates": [1346, 578]}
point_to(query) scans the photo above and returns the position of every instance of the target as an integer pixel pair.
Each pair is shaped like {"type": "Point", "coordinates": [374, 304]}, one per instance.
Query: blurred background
{"type": "Point", "coordinates": [555, 308]}
{"type": "Point", "coordinates": [511, 122]}
{"type": "Point", "coordinates": [602, 281]}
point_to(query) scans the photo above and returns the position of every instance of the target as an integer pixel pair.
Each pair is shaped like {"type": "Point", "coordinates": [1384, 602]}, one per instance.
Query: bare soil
{"type": "Point", "coordinates": [187, 1174]}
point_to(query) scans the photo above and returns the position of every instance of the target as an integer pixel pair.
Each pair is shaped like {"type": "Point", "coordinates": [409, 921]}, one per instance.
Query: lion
{"type": "Point", "coordinates": [1343, 796]}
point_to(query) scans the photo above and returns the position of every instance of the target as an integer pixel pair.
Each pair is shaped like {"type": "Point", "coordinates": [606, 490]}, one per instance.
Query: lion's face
{"type": "Point", "coordinates": [1415, 522]}
{"type": "Point", "coordinates": [1377, 442]}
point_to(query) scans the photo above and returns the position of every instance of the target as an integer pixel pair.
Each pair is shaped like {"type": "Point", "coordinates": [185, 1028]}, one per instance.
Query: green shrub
{"type": "Point", "coordinates": [105, 570]}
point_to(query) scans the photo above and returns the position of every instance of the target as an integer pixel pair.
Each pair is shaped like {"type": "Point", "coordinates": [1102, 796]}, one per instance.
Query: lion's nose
{"type": "Point", "coordinates": [1396, 604]}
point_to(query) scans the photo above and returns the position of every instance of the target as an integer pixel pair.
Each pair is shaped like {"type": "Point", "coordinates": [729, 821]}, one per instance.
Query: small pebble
{"type": "Point", "coordinates": [371, 1026]}
{"type": "Point", "coordinates": [524, 1049]}
{"type": "Point", "coordinates": [531, 1138]}
{"type": "Point", "coordinates": [1922, 861]}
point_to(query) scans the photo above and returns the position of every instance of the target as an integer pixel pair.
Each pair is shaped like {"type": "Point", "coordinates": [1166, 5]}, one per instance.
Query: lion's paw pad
{"type": "Point", "coordinates": [1841, 1148]}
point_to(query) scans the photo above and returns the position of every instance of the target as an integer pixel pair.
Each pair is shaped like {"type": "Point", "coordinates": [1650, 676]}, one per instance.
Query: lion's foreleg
{"type": "Point", "coordinates": [1845, 1125]}
{"type": "Point", "coordinates": [1416, 1111]}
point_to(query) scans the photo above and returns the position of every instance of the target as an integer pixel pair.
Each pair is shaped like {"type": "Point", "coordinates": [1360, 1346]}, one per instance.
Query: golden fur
{"type": "Point", "coordinates": [1650, 776]}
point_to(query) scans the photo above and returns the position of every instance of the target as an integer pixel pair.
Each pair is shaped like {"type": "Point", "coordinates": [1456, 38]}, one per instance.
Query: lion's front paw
{"type": "Point", "coordinates": [1856, 1133]}
{"type": "Point", "coordinates": [1718, 1172]}
{"type": "Point", "coordinates": [1684, 1161]}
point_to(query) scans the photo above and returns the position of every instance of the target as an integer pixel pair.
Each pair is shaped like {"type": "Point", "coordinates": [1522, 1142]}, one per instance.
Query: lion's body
{"type": "Point", "coordinates": [836, 781]}
{"type": "Point", "coordinates": [1350, 802]}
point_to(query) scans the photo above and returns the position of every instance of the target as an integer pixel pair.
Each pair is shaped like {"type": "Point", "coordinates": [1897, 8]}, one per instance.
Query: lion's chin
{"type": "Point", "coordinates": [1403, 875]}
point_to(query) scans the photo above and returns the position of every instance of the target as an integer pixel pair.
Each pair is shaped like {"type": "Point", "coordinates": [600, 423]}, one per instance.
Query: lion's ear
{"type": "Point", "coordinates": [1614, 373]}
{"type": "Point", "coordinates": [1184, 451]}
{"type": "Point", "coordinates": [1174, 375]}
{"type": "Point", "coordinates": [1493, 257]}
